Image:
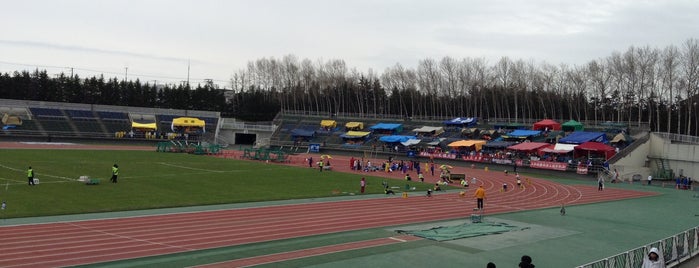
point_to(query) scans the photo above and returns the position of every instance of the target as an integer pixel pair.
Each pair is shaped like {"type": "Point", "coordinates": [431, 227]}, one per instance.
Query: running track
{"type": "Point", "coordinates": [93, 241]}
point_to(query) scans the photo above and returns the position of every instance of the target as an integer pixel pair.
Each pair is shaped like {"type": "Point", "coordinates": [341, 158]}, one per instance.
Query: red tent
{"type": "Point", "coordinates": [528, 146]}
{"type": "Point", "coordinates": [547, 123]}
{"type": "Point", "coordinates": [595, 147]}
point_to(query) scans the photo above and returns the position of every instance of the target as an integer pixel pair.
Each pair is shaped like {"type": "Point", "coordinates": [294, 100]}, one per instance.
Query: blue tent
{"type": "Point", "coordinates": [522, 134]}
{"type": "Point", "coordinates": [387, 128]}
{"type": "Point", "coordinates": [396, 138]}
{"type": "Point", "coordinates": [462, 121]}
{"type": "Point", "coordinates": [580, 137]}
{"type": "Point", "coordinates": [302, 133]}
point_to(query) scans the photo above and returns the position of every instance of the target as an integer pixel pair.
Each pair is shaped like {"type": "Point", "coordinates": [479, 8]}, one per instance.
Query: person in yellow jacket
{"type": "Point", "coordinates": [30, 176]}
{"type": "Point", "coordinates": [115, 173]}
{"type": "Point", "coordinates": [480, 196]}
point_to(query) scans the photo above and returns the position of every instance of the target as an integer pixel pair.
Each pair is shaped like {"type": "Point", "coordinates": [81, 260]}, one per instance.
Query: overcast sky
{"type": "Point", "coordinates": [155, 40]}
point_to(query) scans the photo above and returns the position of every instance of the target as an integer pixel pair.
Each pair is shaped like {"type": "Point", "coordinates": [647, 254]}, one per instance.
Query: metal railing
{"type": "Point", "coordinates": [675, 249]}
{"type": "Point", "coordinates": [679, 137]}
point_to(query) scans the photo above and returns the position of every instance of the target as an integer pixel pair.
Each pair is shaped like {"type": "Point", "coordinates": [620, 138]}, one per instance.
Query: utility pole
{"type": "Point", "coordinates": [126, 74]}
{"type": "Point", "coordinates": [188, 64]}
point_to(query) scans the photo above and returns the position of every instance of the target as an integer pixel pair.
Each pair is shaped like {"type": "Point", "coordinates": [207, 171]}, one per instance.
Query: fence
{"type": "Point", "coordinates": [675, 249]}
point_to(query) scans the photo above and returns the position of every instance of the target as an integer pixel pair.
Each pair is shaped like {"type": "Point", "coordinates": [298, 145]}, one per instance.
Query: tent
{"type": "Point", "coordinates": [621, 137]}
{"type": "Point", "coordinates": [429, 131]}
{"type": "Point", "coordinates": [572, 125]}
{"type": "Point", "coordinates": [560, 148]}
{"type": "Point", "coordinates": [528, 146]}
{"type": "Point", "coordinates": [148, 126]}
{"type": "Point", "coordinates": [521, 134]}
{"type": "Point", "coordinates": [328, 124]}
{"type": "Point", "coordinates": [387, 128]}
{"type": "Point", "coordinates": [580, 137]}
{"type": "Point", "coordinates": [547, 124]}
{"type": "Point", "coordinates": [396, 138]}
{"type": "Point", "coordinates": [498, 144]}
{"type": "Point", "coordinates": [11, 120]}
{"type": "Point", "coordinates": [410, 142]}
{"type": "Point", "coordinates": [462, 121]}
{"type": "Point", "coordinates": [354, 125]}
{"type": "Point", "coordinates": [478, 144]}
{"type": "Point", "coordinates": [355, 134]}
{"type": "Point", "coordinates": [188, 124]}
{"type": "Point", "coordinates": [595, 147]}
{"type": "Point", "coordinates": [302, 133]}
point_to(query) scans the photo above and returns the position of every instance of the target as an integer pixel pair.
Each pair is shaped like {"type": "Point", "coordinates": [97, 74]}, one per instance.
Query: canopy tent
{"type": "Point", "coordinates": [387, 128]}
{"type": "Point", "coordinates": [431, 142]}
{"type": "Point", "coordinates": [547, 124]}
{"type": "Point", "coordinates": [148, 126]}
{"type": "Point", "coordinates": [469, 130]}
{"type": "Point", "coordinates": [462, 121]}
{"type": "Point", "coordinates": [595, 147]}
{"type": "Point", "coordinates": [11, 120]}
{"type": "Point", "coordinates": [621, 137]}
{"type": "Point", "coordinates": [328, 123]}
{"type": "Point", "coordinates": [188, 124]}
{"type": "Point", "coordinates": [302, 133]}
{"type": "Point", "coordinates": [478, 144]}
{"type": "Point", "coordinates": [498, 144]}
{"type": "Point", "coordinates": [425, 130]}
{"type": "Point", "coordinates": [396, 138]}
{"type": "Point", "coordinates": [559, 148]}
{"type": "Point", "coordinates": [521, 134]}
{"type": "Point", "coordinates": [528, 146]}
{"type": "Point", "coordinates": [355, 134]}
{"type": "Point", "coordinates": [572, 125]}
{"type": "Point", "coordinates": [410, 142]}
{"type": "Point", "coordinates": [580, 137]}
{"type": "Point", "coordinates": [354, 125]}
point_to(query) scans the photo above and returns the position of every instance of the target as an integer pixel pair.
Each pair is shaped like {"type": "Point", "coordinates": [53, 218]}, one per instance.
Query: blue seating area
{"type": "Point", "coordinates": [81, 114]}
{"type": "Point", "coordinates": [46, 112]}
{"type": "Point", "coordinates": [112, 115]}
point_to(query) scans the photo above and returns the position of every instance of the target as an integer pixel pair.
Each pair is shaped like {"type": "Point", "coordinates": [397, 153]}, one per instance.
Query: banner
{"type": "Point", "coordinates": [548, 165]}
{"type": "Point", "coordinates": [582, 169]}
{"type": "Point", "coordinates": [438, 155]}
{"type": "Point", "coordinates": [472, 158]}
{"type": "Point", "coordinates": [502, 161]}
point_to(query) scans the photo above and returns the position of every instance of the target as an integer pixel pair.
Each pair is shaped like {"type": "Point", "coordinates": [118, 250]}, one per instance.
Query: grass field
{"type": "Point", "coordinates": [158, 180]}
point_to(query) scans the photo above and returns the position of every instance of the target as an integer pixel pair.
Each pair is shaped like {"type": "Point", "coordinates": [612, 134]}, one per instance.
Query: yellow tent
{"type": "Point", "coordinates": [356, 133]}
{"type": "Point", "coordinates": [468, 143]}
{"type": "Point", "coordinates": [11, 120]}
{"type": "Point", "coordinates": [188, 123]}
{"type": "Point", "coordinates": [328, 123]}
{"type": "Point", "coordinates": [355, 125]}
{"type": "Point", "coordinates": [151, 126]}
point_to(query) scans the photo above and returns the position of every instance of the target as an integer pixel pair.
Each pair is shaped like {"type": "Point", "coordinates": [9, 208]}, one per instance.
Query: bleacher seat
{"type": "Point", "coordinates": [112, 115]}
{"type": "Point", "coordinates": [46, 112]}
{"type": "Point", "coordinates": [81, 115]}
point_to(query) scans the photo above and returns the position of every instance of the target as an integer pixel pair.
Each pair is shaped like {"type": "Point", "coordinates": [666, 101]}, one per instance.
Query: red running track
{"type": "Point", "coordinates": [84, 242]}
{"type": "Point", "coordinates": [93, 241]}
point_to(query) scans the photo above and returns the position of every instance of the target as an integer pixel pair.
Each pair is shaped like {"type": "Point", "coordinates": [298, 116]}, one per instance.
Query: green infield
{"type": "Point", "coordinates": [159, 180]}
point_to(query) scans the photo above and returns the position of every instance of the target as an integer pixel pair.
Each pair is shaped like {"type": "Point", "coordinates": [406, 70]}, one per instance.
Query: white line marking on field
{"type": "Point", "coordinates": [43, 174]}
{"type": "Point", "coordinates": [397, 239]}
{"type": "Point", "coordinates": [192, 168]}
{"type": "Point", "coordinates": [126, 237]}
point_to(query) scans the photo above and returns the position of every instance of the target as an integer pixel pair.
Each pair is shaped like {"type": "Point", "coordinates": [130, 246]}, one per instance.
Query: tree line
{"type": "Point", "coordinates": [642, 85]}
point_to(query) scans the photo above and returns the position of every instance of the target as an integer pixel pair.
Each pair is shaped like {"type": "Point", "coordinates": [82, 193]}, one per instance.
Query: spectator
{"type": "Point", "coordinates": [654, 259]}
{"type": "Point", "coordinates": [650, 178]}
{"type": "Point", "coordinates": [526, 262]}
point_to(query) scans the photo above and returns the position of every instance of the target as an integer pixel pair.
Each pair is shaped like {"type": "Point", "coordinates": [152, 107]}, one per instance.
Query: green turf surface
{"type": "Point", "coordinates": [158, 180]}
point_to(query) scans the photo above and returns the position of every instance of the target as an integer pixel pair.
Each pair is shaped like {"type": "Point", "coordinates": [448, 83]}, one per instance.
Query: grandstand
{"type": "Point", "coordinates": [432, 137]}
{"type": "Point", "coordinates": [52, 121]}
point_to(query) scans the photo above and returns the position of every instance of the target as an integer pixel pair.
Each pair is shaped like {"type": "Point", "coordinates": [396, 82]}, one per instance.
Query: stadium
{"type": "Point", "coordinates": [199, 190]}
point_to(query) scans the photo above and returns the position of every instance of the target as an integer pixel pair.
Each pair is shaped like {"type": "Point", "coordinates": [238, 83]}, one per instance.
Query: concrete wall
{"type": "Point", "coordinates": [683, 158]}
{"type": "Point", "coordinates": [634, 163]}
